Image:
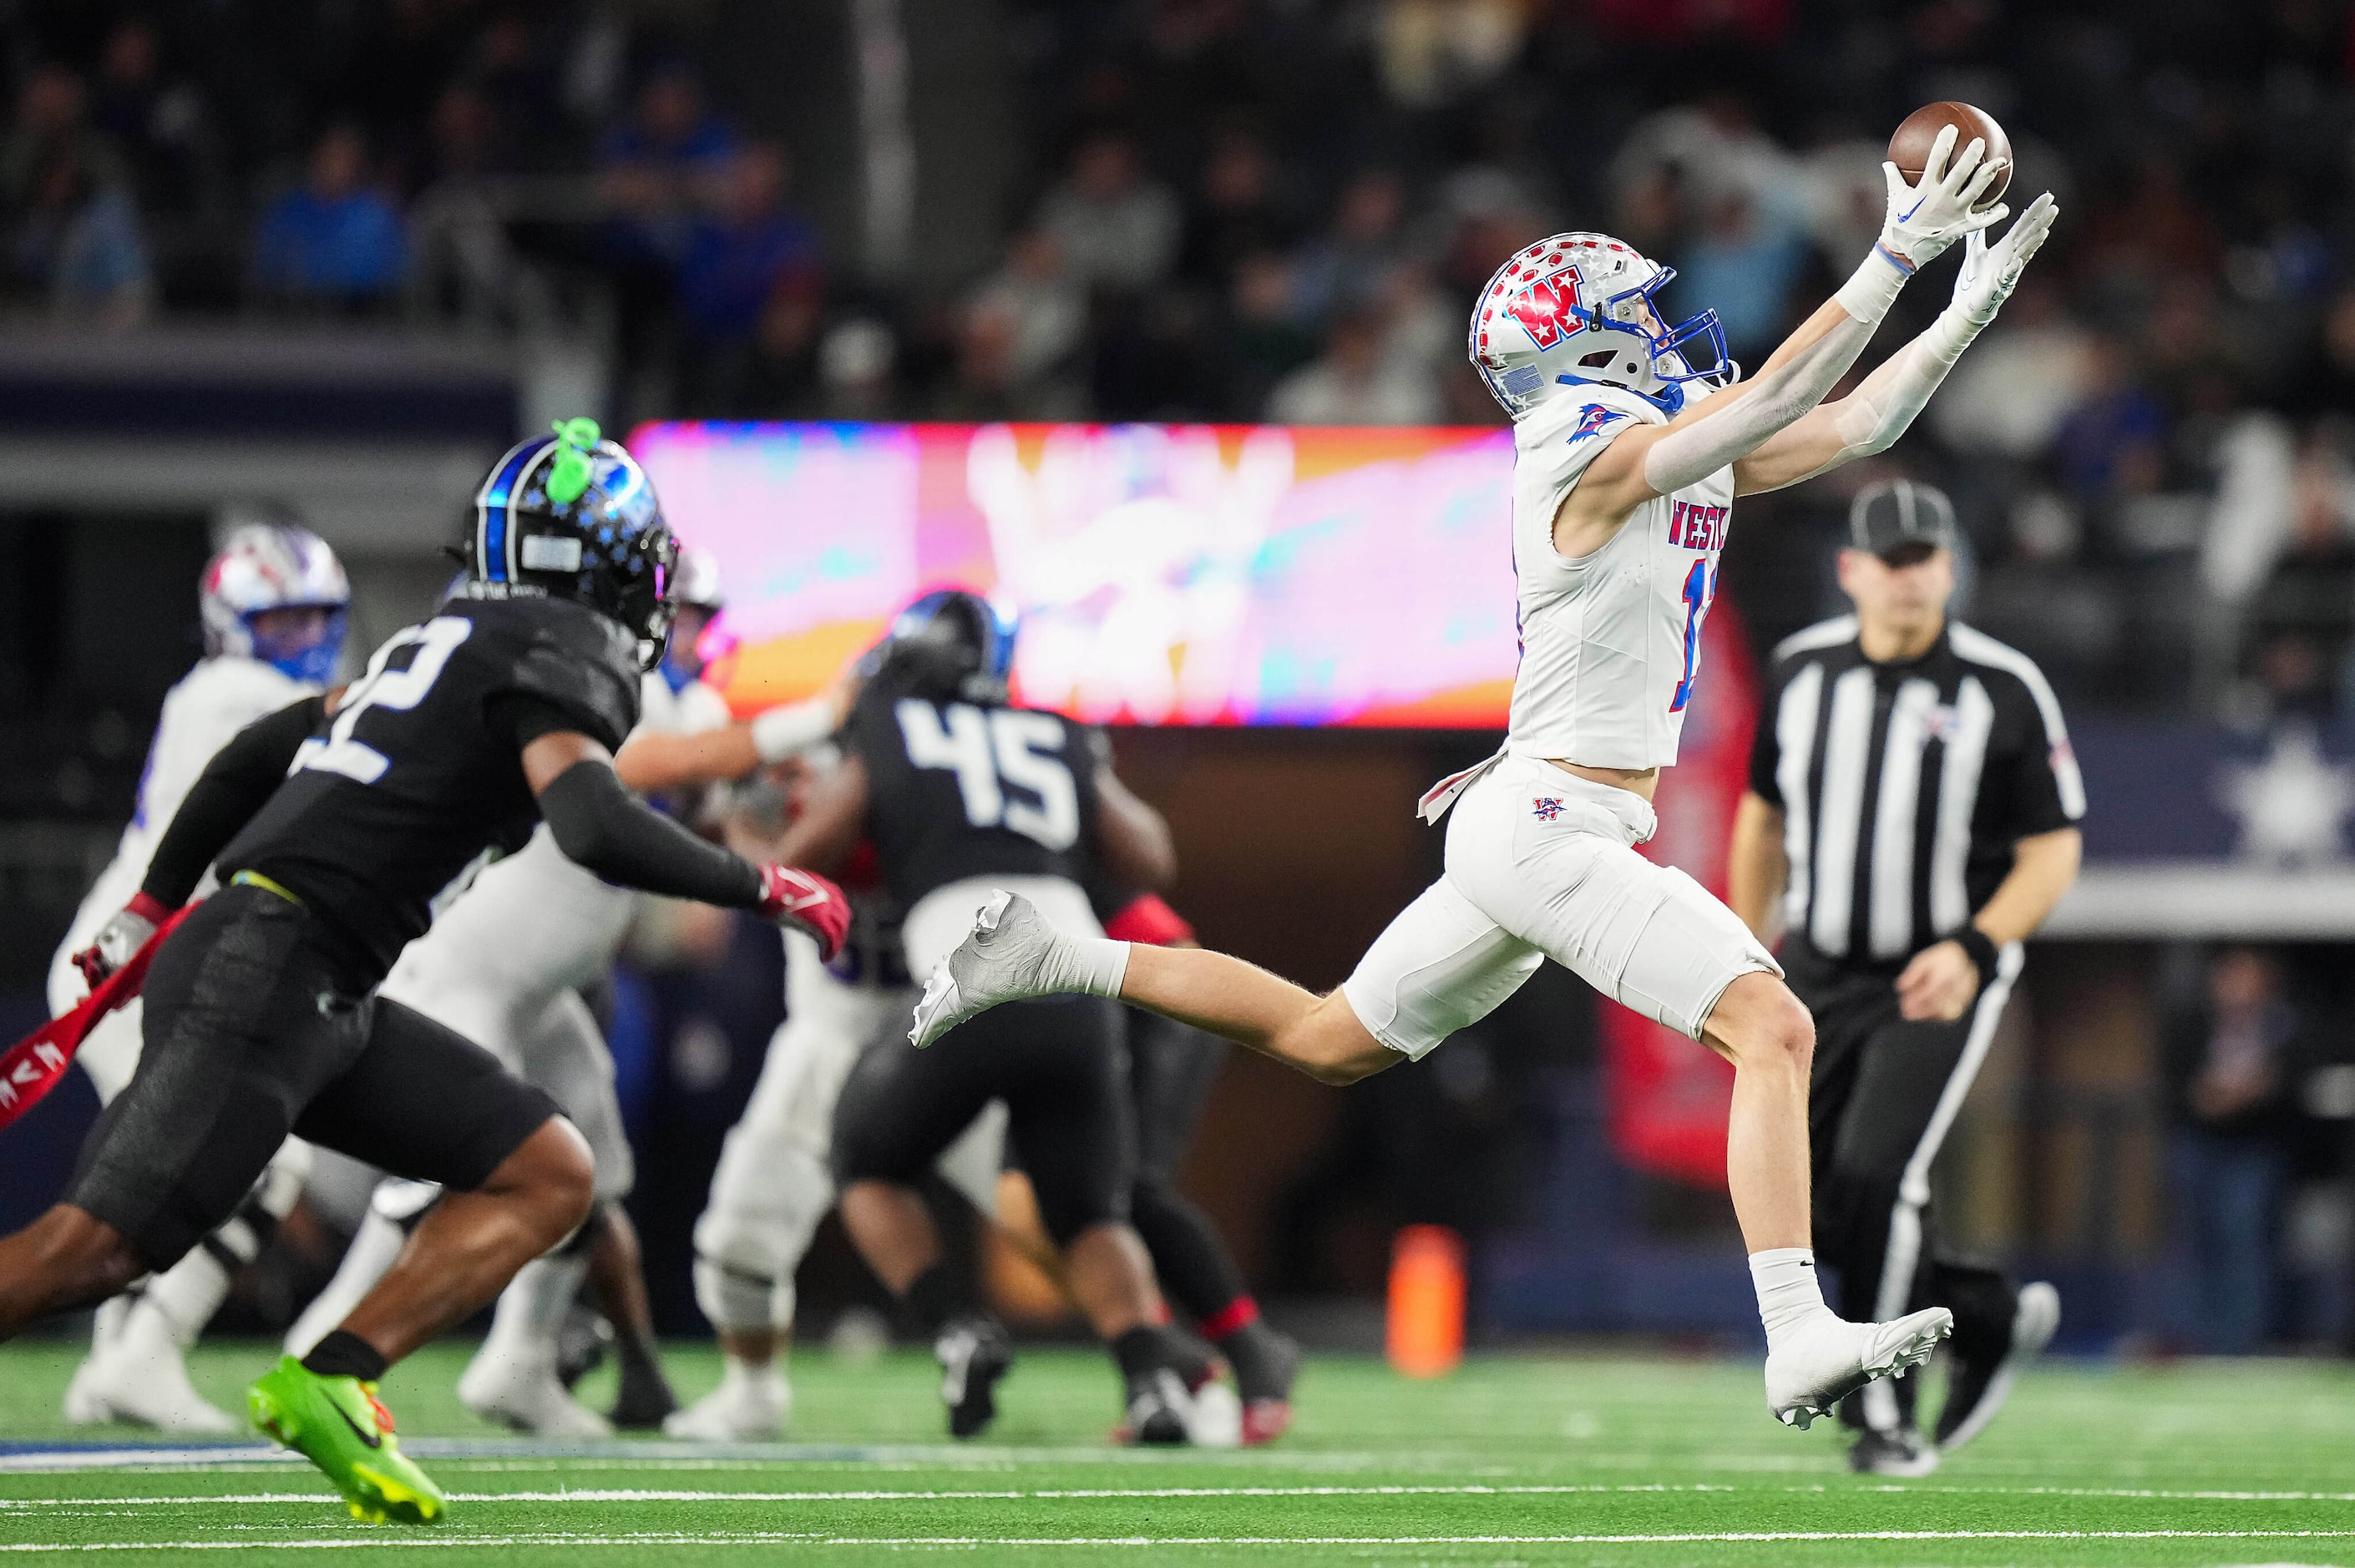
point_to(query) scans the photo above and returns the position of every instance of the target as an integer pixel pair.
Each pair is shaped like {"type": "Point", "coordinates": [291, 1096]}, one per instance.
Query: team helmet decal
{"type": "Point", "coordinates": [1579, 310]}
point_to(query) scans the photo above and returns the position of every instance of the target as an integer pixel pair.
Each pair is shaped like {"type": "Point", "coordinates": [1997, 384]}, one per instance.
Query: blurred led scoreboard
{"type": "Point", "coordinates": [1188, 574]}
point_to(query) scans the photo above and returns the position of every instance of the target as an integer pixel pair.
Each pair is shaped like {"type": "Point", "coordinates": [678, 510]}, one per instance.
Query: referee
{"type": "Point", "coordinates": [1910, 820]}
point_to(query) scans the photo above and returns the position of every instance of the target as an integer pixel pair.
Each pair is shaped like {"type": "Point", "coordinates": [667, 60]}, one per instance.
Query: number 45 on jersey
{"type": "Point", "coordinates": [988, 750]}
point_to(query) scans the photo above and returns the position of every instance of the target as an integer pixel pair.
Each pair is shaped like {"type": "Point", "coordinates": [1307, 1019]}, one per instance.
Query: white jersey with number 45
{"type": "Point", "coordinates": [211, 702]}
{"type": "Point", "coordinates": [1610, 641]}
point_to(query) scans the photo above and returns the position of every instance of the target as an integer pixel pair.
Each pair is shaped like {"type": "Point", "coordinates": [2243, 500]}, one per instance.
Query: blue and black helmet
{"type": "Point", "coordinates": [572, 515]}
{"type": "Point", "coordinates": [951, 643]}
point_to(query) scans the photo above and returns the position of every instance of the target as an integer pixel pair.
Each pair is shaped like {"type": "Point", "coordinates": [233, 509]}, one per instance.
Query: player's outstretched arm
{"type": "Point", "coordinates": [1870, 419]}
{"type": "Point", "coordinates": [601, 826]}
{"type": "Point", "coordinates": [1655, 459]}
{"type": "Point", "coordinates": [648, 763]}
{"type": "Point", "coordinates": [829, 819]}
{"type": "Point", "coordinates": [241, 777]}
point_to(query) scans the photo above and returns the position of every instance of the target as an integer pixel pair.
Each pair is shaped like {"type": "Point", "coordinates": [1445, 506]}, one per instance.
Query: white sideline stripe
{"type": "Point", "coordinates": [376, 1541]}
{"type": "Point", "coordinates": [487, 1453]}
{"type": "Point", "coordinates": [1072, 1494]}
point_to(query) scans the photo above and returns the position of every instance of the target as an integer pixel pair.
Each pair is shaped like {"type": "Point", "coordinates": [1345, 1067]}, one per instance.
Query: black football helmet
{"type": "Point", "coordinates": [951, 643]}
{"type": "Point", "coordinates": [571, 516]}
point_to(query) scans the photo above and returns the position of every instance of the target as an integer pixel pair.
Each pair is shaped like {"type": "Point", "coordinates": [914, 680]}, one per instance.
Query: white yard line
{"type": "Point", "coordinates": [646, 1495]}
{"type": "Point", "coordinates": [435, 1542]}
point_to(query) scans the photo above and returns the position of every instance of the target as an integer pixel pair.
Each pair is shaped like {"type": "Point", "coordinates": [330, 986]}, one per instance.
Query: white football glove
{"type": "Point", "coordinates": [1924, 219]}
{"type": "Point", "coordinates": [1990, 272]}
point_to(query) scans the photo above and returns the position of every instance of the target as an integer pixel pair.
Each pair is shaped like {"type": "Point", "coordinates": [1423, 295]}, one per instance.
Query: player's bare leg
{"type": "Point", "coordinates": [893, 1232]}
{"type": "Point", "coordinates": [472, 1244]}
{"type": "Point", "coordinates": [1013, 952]}
{"type": "Point", "coordinates": [1814, 1358]}
{"type": "Point", "coordinates": [617, 1284]}
{"type": "Point", "coordinates": [1760, 1027]}
{"type": "Point", "coordinates": [66, 1258]}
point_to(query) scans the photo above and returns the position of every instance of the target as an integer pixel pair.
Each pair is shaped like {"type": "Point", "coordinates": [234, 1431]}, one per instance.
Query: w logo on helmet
{"type": "Point", "coordinates": [1547, 307]}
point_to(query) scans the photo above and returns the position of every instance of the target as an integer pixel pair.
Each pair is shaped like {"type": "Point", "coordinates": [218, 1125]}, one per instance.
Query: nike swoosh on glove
{"type": "Point", "coordinates": [1925, 218]}
{"type": "Point", "coordinates": [807, 902]}
{"type": "Point", "coordinates": [121, 938]}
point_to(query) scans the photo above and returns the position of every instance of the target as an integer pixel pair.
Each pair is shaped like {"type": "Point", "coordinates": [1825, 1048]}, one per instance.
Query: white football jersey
{"type": "Point", "coordinates": [210, 704]}
{"type": "Point", "coordinates": [1610, 642]}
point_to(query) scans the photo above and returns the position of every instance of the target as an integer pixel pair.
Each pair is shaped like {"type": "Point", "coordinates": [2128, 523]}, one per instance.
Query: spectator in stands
{"type": "Point", "coordinates": [1044, 309]}
{"type": "Point", "coordinates": [50, 127]}
{"type": "Point", "coordinates": [2010, 394]}
{"type": "Point", "coordinates": [78, 248]}
{"type": "Point", "coordinates": [750, 287]}
{"type": "Point", "coordinates": [162, 127]}
{"type": "Point", "coordinates": [1119, 227]}
{"type": "Point", "coordinates": [2302, 622]}
{"type": "Point", "coordinates": [333, 239]}
{"type": "Point", "coordinates": [654, 167]}
{"type": "Point", "coordinates": [1743, 265]}
{"type": "Point", "coordinates": [2114, 443]}
{"type": "Point", "coordinates": [2229, 1059]}
{"type": "Point", "coordinates": [1355, 382]}
{"type": "Point", "coordinates": [1342, 269]}
{"type": "Point", "coordinates": [1263, 341]}
{"type": "Point", "coordinates": [1238, 211]}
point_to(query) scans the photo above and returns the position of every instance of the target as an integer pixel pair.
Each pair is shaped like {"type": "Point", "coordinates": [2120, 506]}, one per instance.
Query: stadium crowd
{"type": "Point", "coordinates": [1278, 210]}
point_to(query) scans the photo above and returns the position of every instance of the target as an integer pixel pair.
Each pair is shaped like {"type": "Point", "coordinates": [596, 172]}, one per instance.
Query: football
{"type": "Point", "coordinates": [1910, 148]}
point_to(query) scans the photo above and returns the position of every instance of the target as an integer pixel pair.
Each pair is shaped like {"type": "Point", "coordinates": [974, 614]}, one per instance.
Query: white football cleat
{"type": "Point", "coordinates": [1829, 1358]}
{"type": "Point", "coordinates": [524, 1393]}
{"type": "Point", "coordinates": [749, 1406]}
{"type": "Point", "coordinates": [139, 1374]}
{"type": "Point", "coordinates": [1005, 958]}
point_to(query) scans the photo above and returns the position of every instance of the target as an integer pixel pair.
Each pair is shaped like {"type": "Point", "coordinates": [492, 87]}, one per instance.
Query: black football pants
{"type": "Point", "coordinates": [1884, 1095]}
{"type": "Point", "coordinates": [253, 1029]}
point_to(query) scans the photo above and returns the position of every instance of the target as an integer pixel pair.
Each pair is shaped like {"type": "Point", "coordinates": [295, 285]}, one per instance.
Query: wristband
{"type": "Point", "coordinates": [148, 908]}
{"type": "Point", "coordinates": [779, 731]}
{"type": "Point", "coordinates": [1873, 287]}
{"type": "Point", "coordinates": [1981, 949]}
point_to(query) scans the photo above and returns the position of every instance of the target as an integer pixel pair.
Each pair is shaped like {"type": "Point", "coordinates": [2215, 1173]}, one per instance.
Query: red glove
{"type": "Point", "coordinates": [805, 901]}
{"type": "Point", "coordinates": [121, 937]}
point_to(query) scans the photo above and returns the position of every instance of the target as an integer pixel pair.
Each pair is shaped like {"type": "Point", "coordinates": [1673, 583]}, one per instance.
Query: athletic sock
{"type": "Point", "coordinates": [184, 1297]}
{"type": "Point", "coordinates": [346, 1354]}
{"type": "Point", "coordinates": [532, 1308]}
{"type": "Point", "coordinates": [1150, 1347]}
{"type": "Point", "coordinates": [1088, 966]}
{"type": "Point", "coordinates": [1788, 1292]}
{"type": "Point", "coordinates": [933, 1298]}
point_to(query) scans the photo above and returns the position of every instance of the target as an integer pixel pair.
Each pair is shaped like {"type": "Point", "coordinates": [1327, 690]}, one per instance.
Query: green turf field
{"type": "Point", "coordinates": [1514, 1461]}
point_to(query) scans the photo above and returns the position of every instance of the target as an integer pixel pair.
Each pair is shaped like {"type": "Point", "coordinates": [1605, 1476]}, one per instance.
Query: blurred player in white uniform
{"type": "Point", "coordinates": [275, 605]}
{"type": "Point", "coordinates": [503, 964]}
{"type": "Point", "coordinates": [1628, 456]}
{"type": "Point", "coordinates": [775, 1179]}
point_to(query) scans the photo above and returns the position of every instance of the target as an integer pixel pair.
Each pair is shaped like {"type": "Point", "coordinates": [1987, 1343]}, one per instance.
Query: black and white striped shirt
{"type": "Point", "coordinates": [1904, 786]}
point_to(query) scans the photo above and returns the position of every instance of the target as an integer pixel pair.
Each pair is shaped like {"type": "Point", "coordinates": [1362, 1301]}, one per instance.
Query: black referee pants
{"type": "Point", "coordinates": [1884, 1094]}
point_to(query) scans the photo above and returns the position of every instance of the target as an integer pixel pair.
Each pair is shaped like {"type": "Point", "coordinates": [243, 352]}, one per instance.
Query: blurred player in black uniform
{"type": "Point", "coordinates": [332, 826]}
{"type": "Point", "coordinates": [961, 793]}
{"type": "Point", "coordinates": [1171, 1067]}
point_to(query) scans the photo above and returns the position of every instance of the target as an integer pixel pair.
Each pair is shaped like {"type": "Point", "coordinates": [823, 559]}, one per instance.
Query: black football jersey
{"type": "Point", "coordinates": [415, 775]}
{"type": "Point", "coordinates": [958, 790]}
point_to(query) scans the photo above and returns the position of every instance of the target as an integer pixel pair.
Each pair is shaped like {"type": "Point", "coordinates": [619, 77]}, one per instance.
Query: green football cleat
{"type": "Point", "coordinates": [338, 1424]}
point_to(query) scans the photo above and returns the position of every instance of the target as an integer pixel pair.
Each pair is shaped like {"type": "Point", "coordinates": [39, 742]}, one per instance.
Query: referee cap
{"type": "Point", "coordinates": [1888, 519]}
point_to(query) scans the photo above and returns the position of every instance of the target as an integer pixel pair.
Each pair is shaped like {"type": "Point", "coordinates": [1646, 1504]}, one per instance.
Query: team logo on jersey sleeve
{"type": "Point", "coordinates": [1547, 807]}
{"type": "Point", "coordinates": [1547, 307]}
{"type": "Point", "coordinates": [1593, 419]}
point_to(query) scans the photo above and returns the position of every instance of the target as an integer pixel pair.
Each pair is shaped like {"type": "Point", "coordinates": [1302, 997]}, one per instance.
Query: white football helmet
{"type": "Point", "coordinates": [1577, 309]}
{"type": "Point", "coordinates": [275, 565]}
